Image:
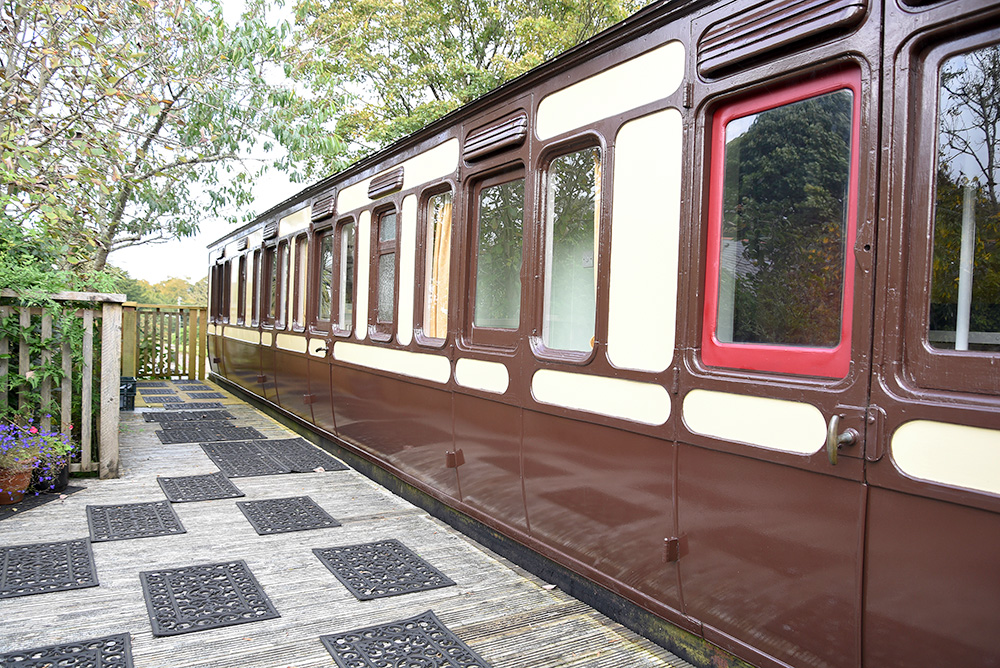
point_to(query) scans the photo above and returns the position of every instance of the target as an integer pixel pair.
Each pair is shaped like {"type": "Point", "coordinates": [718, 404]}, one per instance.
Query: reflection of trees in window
{"type": "Point", "coordinates": [325, 310]}
{"type": "Point", "coordinates": [965, 293]}
{"type": "Point", "coordinates": [272, 271]}
{"type": "Point", "coordinates": [437, 263]}
{"type": "Point", "coordinates": [386, 268]}
{"type": "Point", "coordinates": [345, 314]}
{"type": "Point", "coordinates": [498, 259]}
{"type": "Point", "coordinates": [785, 190]}
{"type": "Point", "coordinates": [570, 250]}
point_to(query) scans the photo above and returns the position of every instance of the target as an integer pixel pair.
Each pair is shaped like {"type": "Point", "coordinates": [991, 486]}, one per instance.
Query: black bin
{"type": "Point", "coordinates": [126, 394]}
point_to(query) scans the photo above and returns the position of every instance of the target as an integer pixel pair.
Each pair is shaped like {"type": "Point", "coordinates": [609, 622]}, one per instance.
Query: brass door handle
{"type": "Point", "coordinates": [834, 440]}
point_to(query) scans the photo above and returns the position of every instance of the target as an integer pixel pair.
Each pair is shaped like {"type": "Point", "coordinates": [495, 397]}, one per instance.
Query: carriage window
{"type": "Point", "coordinates": [299, 300]}
{"type": "Point", "coordinates": [255, 300]}
{"type": "Point", "coordinates": [241, 292]}
{"type": "Point", "coordinates": [283, 283]}
{"type": "Point", "coordinates": [271, 271]}
{"type": "Point", "coordinates": [572, 226]}
{"type": "Point", "coordinates": [386, 267]}
{"type": "Point", "coordinates": [781, 219]}
{"type": "Point", "coordinates": [965, 290]}
{"type": "Point", "coordinates": [345, 287]}
{"type": "Point", "coordinates": [437, 263]}
{"type": "Point", "coordinates": [498, 255]}
{"type": "Point", "coordinates": [228, 287]}
{"type": "Point", "coordinates": [325, 289]}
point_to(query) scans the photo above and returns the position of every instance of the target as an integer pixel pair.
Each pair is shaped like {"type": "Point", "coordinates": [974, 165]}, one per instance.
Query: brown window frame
{"type": "Point", "coordinates": [299, 286]}
{"type": "Point", "coordinates": [241, 291]}
{"type": "Point", "coordinates": [477, 335]}
{"type": "Point", "coordinates": [420, 284]}
{"type": "Point", "coordinates": [256, 292]}
{"type": "Point", "coordinates": [380, 330]}
{"type": "Point", "coordinates": [929, 367]}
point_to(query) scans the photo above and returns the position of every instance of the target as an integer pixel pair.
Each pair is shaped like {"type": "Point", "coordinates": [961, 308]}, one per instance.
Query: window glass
{"type": "Point", "coordinates": [241, 294]}
{"type": "Point", "coordinates": [255, 301]}
{"type": "Point", "coordinates": [282, 281]}
{"type": "Point", "coordinates": [272, 279]}
{"type": "Point", "coordinates": [498, 258]}
{"type": "Point", "coordinates": [325, 309]}
{"type": "Point", "coordinates": [301, 253]}
{"type": "Point", "coordinates": [965, 289]}
{"type": "Point", "coordinates": [386, 268]}
{"type": "Point", "coordinates": [571, 230]}
{"type": "Point", "coordinates": [345, 313]}
{"type": "Point", "coordinates": [437, 263]}
{"type": "Point", "coordinates": [784, 223]}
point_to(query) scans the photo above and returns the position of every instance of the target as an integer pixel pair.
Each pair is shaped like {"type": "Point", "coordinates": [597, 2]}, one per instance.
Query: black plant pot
{"type": "Point", "coordinates": [50, 479]}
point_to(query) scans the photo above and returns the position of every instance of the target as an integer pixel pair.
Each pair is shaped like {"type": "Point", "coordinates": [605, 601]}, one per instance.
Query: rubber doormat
{"type": "Point", "coordinates": [43, 567]}
{"type": "Point", "coordinates": [107, 652]}
{"type": "Point", "coordinates": [155, 392]}
{"type": "Point", "coordinates": [207, 431]}
{"type": "Point", "coordinates": [181, 405]}
{"type": "Point", "coordinates": [133, 520]}
{"type": "Point", "coordinates": [207, 596]}
{"type": "Point", "coordinates": [418, 641]}
{"type": "Point", "coordinates": [206, 395]}
{"type": "Point", "coordinates": [198, 488]}
{"type": "Point", "coordinates": [150, 383]}
{"type": "Point", "coordinates": [380, 569]}
{"type": "Point", "coordinates": [300, 456]}
{"type": "Point", "coordinates": [296, 513]}
{"type": "Point", "coordinates": [190, 385]}
{"type": "Point", "coordinates": [243, 459]}
{"type": "Point", "coordinates": [186, 416]}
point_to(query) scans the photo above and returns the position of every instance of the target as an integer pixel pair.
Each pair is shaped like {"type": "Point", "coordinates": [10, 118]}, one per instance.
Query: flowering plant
{"type": "Point", "coordinates": [23, 448]}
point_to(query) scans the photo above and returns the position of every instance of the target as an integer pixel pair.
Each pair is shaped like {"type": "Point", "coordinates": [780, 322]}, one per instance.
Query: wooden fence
{"type": "Point", "coordinates": [164, 341]}
{"type": "Point", "coordinates": [35, 322]}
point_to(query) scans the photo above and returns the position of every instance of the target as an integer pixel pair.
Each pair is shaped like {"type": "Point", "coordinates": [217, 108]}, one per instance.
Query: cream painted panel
{"type": "Point", "coordinates": [775, 424]}
{"type": "Point", "coordinates": [362, 267]}
{"type": "Point", "coordinates": [481, 375]}
{"type": "Point", "coordinates": [434, 163]}
{"type": "Point", "coordinates": [950, 454]}
{"type": "Point", "coordinates": [255, 239]}
{"type": "Point", "coordinates": [231, 251]}
{"type": "Point", "coordinates": [291, 342]}
{"type": "Point", "coordinates": [648, 403]}
{"type": "Point", "coordinates": [247, 335]}
{"type": "Point", "coordinates": [407, 268]}
{"type": "Point", "coordinates": [213, 330]}
{"type": "Point", "coordinates": [645, 224]}
{"type": "Point", "coordinates": [295, 222]}
{"type": "Point", "coordinates": [234, 289]}
{"type": "Point", "coordinates": [317, 347]}
{"type": "Point", "coordinates": [266, 338]}
{"type": "Point", "coordinates": [646, 78]}
{"type": "Point", "coordinates": [434, 368]}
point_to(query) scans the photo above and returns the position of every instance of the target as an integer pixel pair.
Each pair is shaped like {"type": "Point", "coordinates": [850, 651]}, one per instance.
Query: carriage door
{"type": "Point", "coordinates": [934, 470]}
{"type": "Point", "coordinates": [770, 469]}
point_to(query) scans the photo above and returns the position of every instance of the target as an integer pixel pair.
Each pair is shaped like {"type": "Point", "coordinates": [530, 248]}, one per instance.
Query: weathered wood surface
{"type": "Point", "coordinates": [506, 615]}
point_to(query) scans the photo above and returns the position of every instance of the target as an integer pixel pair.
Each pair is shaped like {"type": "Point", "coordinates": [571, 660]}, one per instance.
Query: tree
{"type": "Point", "coordinates": [400, 65]}
{"type": "Point", "coordinates": [123, 121]}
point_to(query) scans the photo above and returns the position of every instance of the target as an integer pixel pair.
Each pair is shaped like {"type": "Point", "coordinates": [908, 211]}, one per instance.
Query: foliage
{"type": "Point", "coordinates": [399, 65]}
{"type": "Point", "coordinates": [121, 121]}
{"type": "Point", "coordinates": [170, 291]}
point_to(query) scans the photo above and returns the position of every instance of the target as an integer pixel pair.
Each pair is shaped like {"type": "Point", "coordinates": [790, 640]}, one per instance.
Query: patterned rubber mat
{"type": "Point", "coordinates": [296, 513]}
{"type": "Point", "coordinates": [133, 520]}
{"type": "Point", "coordinates": [253, 458]}
{"type": "Point", "coordinates": [190, 385]}
{"type": "Point", "coordinates": [181, 405]}
{"type": "Point", "coordinates": [150, 383]}
{"type": "Point", "coordinates": [418, 642]}
{"type": "Point", "coordinates": [198, 488]}
{"type": "Point", "coordinates": [107, 652]}
{"type": "Point", "coordinates": [206, 431]}
{"type": "Point", "coordinates": [207, 596]}
{"type": "Point", "coordinates": [380, 569]}
{"type": "Point", "coordinates": [45, 567]}
{"type": "Point", "coordinates": [186, 416]}
{"type": "Point", "coordinates": [144, 391]}
{"type": "Point", "coordinates": [206, 395]}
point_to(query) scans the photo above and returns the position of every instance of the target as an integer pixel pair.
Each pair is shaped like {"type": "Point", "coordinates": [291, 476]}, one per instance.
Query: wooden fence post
{"type": "Point", "coordinates": [128, 339]}
{"type": "Point", "coordinates": [111, 350]}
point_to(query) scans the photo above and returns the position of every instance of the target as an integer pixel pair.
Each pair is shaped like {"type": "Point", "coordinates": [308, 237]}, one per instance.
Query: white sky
{"type": "Point", "coordinates": [188, 258]}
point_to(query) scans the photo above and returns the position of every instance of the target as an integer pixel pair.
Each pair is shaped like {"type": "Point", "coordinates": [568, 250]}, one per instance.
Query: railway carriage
{"type": "Point", "coordinates": [704, 314]}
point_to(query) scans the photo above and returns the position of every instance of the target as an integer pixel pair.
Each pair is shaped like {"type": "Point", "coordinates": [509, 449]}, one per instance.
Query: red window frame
{"type": "Point", "coordinates": [800, 360]}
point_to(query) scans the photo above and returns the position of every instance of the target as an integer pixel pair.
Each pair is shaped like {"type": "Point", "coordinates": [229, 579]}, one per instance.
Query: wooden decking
{"type": "Point", "coordinates": [512, 619]}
